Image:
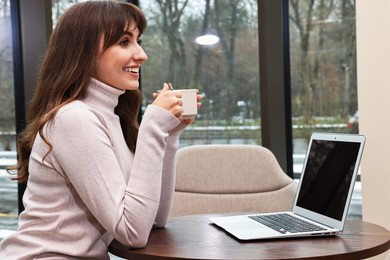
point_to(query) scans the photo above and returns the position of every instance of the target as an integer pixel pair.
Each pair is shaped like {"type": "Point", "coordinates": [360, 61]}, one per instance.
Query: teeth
{"type": "Point", "coordinates": [135, 70]}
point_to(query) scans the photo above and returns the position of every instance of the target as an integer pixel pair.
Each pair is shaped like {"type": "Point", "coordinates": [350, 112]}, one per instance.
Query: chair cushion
{"type": "Point", "coordinates": [220, 169]}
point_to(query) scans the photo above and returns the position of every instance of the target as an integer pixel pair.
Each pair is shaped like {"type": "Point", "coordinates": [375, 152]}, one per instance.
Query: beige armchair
{"type": "Point", "coordinates": [230, 178]}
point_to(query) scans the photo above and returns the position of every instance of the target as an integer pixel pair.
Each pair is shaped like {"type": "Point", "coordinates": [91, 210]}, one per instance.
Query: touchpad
{"type": "Point", "coordinates": [243, 225]}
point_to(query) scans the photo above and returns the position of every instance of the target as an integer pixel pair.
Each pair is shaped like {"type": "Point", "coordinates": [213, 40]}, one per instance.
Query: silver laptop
{"type": "Point", "coordinates": [322, 200]}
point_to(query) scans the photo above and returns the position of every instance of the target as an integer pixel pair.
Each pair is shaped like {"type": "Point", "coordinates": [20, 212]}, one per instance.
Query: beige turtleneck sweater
{"type": "Point", "coordinates": [91, 188]}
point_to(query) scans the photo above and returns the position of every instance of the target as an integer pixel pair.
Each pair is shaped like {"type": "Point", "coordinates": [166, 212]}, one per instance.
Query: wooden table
{"type": "Point", "coordinates": [193, 237]}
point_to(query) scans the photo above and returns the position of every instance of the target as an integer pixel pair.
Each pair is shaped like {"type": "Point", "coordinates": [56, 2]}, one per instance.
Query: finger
{"type": "Point", "coordinates": [187, 121]}
{"type": "Point", "coordinates": [177, 94]}
{"type": "Point", "coordinates": [180, 115]}
{"type": "Point", "coordinates": [164, 88]}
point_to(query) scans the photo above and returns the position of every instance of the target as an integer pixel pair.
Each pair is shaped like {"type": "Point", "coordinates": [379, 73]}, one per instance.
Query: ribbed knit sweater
{"type": "Point", "coordinates": [90, 188]}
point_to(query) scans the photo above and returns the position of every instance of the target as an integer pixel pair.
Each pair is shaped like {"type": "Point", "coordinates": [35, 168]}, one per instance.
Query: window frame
{"type": "Point", "coordinates": [31, 28]}
{"type": "Point", "coordinates": [275, 87]}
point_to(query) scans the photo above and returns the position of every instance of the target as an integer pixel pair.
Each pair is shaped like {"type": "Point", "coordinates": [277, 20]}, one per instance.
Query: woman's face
{"type": "Point", "coordinates": [118, 66]}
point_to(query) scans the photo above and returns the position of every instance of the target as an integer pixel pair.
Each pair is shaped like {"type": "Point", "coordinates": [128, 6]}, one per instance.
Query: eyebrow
{"type": "Point", "coordinates": [131, 34]}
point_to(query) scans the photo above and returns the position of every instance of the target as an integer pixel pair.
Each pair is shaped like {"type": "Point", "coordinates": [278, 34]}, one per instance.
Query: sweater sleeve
{"type": "Point", "coordinates": [168, 180]}
{"type": "Point", "coordinates": [169, 176]}
{"type": "Point", "coordinates": [83, 150]}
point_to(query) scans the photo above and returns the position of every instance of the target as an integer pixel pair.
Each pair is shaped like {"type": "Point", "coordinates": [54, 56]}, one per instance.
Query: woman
{"type": "Point", "coordinates": [92, 173]}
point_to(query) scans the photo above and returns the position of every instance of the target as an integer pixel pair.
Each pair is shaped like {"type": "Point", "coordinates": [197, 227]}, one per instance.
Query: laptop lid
{"type": "Point", "coordinates": [328, 177]}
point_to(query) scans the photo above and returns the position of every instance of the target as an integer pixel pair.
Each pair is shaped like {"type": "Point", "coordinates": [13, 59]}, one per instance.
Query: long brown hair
{"type": "Point", "coordinates": [69, 64]}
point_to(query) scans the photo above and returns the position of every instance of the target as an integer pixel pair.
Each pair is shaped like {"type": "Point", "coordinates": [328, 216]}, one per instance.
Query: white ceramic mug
{"type": "Point", "coordinates": [190, 103]}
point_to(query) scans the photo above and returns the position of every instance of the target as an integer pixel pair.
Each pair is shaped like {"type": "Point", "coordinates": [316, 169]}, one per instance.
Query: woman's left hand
{"type": "Point", "coordinates": [186, 121]}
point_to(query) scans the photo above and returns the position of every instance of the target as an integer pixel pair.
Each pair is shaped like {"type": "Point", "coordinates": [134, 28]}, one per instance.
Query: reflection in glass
{"type": "Point", "coordinates": [207, 39]}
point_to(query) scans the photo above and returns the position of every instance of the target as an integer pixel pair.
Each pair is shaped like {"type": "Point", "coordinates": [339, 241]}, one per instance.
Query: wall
{"type": "Point", "coordinates": [373, 58]}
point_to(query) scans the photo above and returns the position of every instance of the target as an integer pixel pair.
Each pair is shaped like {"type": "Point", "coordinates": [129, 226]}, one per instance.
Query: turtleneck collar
{"type": "Point", "coordinates": [102, 96]}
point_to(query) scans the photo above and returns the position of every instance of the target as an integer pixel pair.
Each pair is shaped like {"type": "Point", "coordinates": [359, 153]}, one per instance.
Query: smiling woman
{"type": "Point", "coordinates": [80, 147]}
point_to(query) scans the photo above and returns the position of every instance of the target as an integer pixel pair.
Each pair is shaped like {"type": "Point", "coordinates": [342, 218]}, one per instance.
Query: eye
{"type": "Point", "coordinates": [124, 42]}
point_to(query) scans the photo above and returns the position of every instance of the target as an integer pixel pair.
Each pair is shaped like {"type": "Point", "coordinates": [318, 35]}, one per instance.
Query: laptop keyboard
{"type": "Point", "coordinates": [285, 223]}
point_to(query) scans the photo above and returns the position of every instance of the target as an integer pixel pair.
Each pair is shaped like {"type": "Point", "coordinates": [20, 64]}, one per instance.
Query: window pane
{"type": "Point", "coordinates": [8, 188]}
{"type": "Point", "coordinates": [323, 72]}
{"type": "Point", "coordinates": [226, 73]}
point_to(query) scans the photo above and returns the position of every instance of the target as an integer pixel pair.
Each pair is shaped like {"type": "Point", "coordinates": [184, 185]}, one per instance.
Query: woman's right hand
{"type": "Point", "coordinates": [169, 100]}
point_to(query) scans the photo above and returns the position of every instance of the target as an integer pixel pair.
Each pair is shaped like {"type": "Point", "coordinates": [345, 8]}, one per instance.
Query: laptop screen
{"type": "Point", "coordinates": [327, 177]}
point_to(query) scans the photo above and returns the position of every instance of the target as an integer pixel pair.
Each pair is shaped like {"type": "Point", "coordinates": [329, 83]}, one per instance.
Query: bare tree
{"type": "Point", "coordinates": [228, 17]}
{"type": "Point", "coordinates": [327, 54]}
{"type": "Point", "coordinates": [200, 50]}
{"type": "Point", "coordinates": [172, 12]}
{"type": "Point", "coordinates": [348, 57]}
{"type": "Point", "coordinates": [304, 25]}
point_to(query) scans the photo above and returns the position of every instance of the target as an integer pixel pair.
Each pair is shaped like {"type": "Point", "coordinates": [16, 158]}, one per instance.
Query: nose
{"type": "Point", "coordinates": [140, 54]}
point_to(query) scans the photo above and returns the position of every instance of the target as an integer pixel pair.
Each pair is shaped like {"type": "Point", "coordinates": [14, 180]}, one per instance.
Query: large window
{"type": "Point", "coordinates": [8, 189]}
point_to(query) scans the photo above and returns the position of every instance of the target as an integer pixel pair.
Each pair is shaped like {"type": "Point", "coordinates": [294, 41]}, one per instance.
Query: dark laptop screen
{"type": "Point", "coordinates": [327, 177]}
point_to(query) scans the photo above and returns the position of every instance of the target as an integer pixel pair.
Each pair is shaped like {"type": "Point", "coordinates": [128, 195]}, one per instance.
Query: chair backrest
{"type": "Point", "coordinates": [230, 178]}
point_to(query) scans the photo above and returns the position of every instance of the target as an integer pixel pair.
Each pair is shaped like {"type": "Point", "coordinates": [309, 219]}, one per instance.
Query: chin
{"type": "Point", "coordinates": [133, 87]}
{"type": "Point", "coordinates": [130, 86]}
